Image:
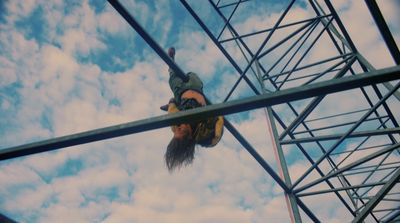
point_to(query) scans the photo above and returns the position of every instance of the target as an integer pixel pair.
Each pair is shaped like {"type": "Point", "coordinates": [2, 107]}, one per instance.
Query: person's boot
{"type": "Point", "coordinates": [164, 107]}
{"type": "Point", "coordinates": [171, 53]}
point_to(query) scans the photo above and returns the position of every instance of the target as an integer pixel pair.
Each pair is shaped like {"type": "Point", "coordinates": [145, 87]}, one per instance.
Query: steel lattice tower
{"type": "Point", "coordinates": [352, 152]}
{"type": "Point", "coordinates": [319, 136]}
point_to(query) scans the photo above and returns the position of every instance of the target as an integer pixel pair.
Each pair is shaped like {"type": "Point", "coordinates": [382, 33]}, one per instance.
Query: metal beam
{"type": "Point", "coordinates": [313, 104]}
{"type": "Point", "coordinates": [384, 30]}
{"type": "Point", "coordinates": [5, 219]}
{"type": "Point", "coordinates": [257, 156]}
{"type": "Point", "coordinates": [215, 41]}
{"type": "Point", "coordinates": [338, 136]}
{"type": "Point", "coordinates": [350, 166]}
{"type": "Point", "coordinates": [259, 101]}
{"type": "Point", "coordinates": [348, 42]}
{"type": "Point", "coordinates": [146, 37]}
{"type": "Point", "coordinates": [392, 217]}
{"type": "Point", "coordinates": [348, 132]}
{"type": "Point", "coordinates": [269, 29]}
{"type": "Point", "coordinates": [374, 201]}
{"type": "Point", "coordinates": [339, 189]}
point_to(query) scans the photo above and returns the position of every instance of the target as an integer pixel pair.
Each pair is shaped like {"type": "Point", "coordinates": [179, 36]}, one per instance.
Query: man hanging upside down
{"type": "Point", "coordinates": [207, 133]}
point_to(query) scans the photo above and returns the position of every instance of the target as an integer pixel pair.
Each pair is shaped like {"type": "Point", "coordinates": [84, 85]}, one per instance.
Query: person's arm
{"type": "Point", "coordinates": [172, 108]}
{"type": "Point", "coordinates": [219, 130]}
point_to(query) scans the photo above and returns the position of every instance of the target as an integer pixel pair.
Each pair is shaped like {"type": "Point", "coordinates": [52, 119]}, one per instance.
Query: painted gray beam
{"type": "Point", "coordinates": [5, 219]}
{"type": "Point", "coordinates": [146, 37]}
{"type": "Point", "coordinates": [384, 30]}
{"type": "Point", "coordinates": [258, 101]}
{"type": "Point", "coordinates": [392, 217]}
{"type": "Point", "coordinates": [339, 189]}
{"type": "Point", "coordinates": [378, 197]}
{"type": "Point", "coordinates": [350, 166]}
{"type": "Point", "coordinates": [351, 45]}
{"type": "Point", "coordinates": [338, 136]}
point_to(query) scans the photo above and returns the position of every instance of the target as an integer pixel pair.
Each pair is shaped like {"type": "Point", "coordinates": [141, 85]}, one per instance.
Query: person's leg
{"type": "Point", "coordinates": [175, 82]}
{"type": "Point", "coordinates": [195, 82]}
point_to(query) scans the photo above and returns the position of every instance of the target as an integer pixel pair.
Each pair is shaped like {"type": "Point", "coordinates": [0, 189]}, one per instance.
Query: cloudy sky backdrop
{"type": "Point", "coordinates": [73, 66]}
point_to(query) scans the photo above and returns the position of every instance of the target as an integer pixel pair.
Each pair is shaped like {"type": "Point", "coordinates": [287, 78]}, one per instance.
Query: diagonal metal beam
{"type": "Point", "coordinates": [374, 201]}
{"type": "Point", "coordinates": [258, 158]}
{"type": "Point", "coordinates": [313, 104]}
{"type": "Point", "coordinates": [259, 101]}
{"type": "Point", "coordinates": [347, 41]}
{"type": "Point", "coordinates": [384, 30]}
{"type": "Point", "coordinates": [392, 217]}
{"type": "Point", "coordinates": [348, 132]}
{"type": "Point", "coordinates": [5, 219]}
{"type": "Point", "coordinates": [146, 37]}
{"type": "Point", "coordinates": [215, 41]}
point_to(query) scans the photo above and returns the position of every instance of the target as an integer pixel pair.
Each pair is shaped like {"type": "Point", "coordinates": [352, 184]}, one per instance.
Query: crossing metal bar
{"type": "Point", "coordinates": [269, 29]}
{"type": "Point", "coordinates": [369, 171]}
{"type": "Point", "coordinates": [365, 65]}
{"type": "Point", "coordinates": [305, 34]}
{"type": "Point", "coordinates": [311, 65]}
{"type": "Point", "coordinates": [382, 179]}
{"type": "Point", "coordinates": [308, 157]}
{"type": "Point", "coordinates": [339, 189]}
{"type": "Point", "coordinates": [388, 194]}
{"type": "Point", "coordinates": [332, 116]}
{"type": "Point", "coordinates": [312, 105]}
{"type": "Point", "coordinates": [230, 4]}
{"type": "Point", "coordinates": [258, 158]}
{"type": "Point", "coordinates": [357, 148]}
{"type": "Point", "coordinates": [5, 219]}
{"type": "Point", "coordinates": [351, 130]}
{"type": "Point", "coordinates": [146, 37]}
{"type": "Point", "coordinates": [310, 75]}
{"type": "Point", "coordinates": [230, 17]}
{"type": "Point", "coordinates": [330, 69]}
{"type": "Point", "coordinates": [338, 125]}
{"type": "Point", "coordinates": [255, 57]}
{"type": "Point", "coordinates": [393, 217]}
{"type": "Point", "coordinates": [338, 136]}
{"type": "Point", "coordinates": [384, 30]}
{"type": "Point", "coordinates": [306, 52]}
{"type": "Point", "coordinates": [215, 41]}
{"type": "Point", "coordinates": [349, 166]}
{"type": "Point", "coordinates": [388, 209]}
{"type": "Point", "coordinates": [374, 201]}
{"type": "Point", "coordinates": [364, 148]}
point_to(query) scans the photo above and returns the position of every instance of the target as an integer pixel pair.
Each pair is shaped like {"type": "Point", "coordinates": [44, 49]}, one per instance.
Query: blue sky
{"type": "Point", "coordinates": [73, 66]}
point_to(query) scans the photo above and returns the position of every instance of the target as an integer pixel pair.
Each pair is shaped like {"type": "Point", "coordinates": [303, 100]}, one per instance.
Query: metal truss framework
{"type": "Point", "coordinates": [351, 153]}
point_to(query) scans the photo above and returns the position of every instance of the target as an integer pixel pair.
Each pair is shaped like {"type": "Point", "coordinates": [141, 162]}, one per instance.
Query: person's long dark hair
{"type": "Point", "coordinates": [179, 152]}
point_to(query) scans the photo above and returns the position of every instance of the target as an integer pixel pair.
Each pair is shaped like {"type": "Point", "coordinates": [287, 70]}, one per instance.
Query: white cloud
{"type": "Point", "coordinates": [111, 22]}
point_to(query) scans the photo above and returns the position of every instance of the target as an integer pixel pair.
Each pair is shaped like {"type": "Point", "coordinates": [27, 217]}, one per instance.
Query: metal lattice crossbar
{"type": "Point", "coordinates": [293, 89]}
